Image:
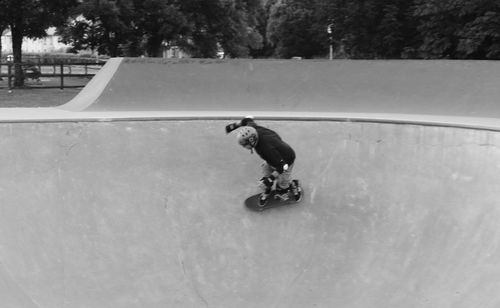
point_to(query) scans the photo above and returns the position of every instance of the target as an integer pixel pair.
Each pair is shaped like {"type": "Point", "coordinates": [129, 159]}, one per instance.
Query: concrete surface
{"type": "Point", "coordinates": [150, 214]}
{"type": "Point", "coordinates": [447, 88]}
{"type": "Point", "coordinates": [148, 211]}
{"type": "Point", "coordinates": [446, 93]}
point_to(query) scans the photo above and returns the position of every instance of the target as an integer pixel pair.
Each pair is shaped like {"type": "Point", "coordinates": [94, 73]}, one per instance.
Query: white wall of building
{"type": "Point", "coordinates": [44, 45]}
{"type": "Point", "coordinates": [51, 43]}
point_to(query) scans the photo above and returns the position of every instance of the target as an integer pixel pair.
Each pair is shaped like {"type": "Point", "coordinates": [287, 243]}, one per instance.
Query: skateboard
{"type": "Point", "coordinates": [252, 202]}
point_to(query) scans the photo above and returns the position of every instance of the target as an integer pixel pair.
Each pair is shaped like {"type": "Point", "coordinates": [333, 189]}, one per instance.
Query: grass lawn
{"type": "Point", "coordinates": [34, 95]}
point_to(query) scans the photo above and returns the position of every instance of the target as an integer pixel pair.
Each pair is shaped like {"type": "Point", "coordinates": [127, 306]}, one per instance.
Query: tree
{"type": "Point", "coordinates": [160, 21]}
{"type": "Point", "coordinates": [395, 29]}
{"type": "Point", "coordinates": [203, 21]}
{"type": "Point", "coordinates": [262, 16]}
{"type": "Point", "coordinates": [294, 30]}
{"type": "Point", "coordinates": [459, 29]}
{"type": "Point", "coordinates": [99, 25]}
{"type": "Point", "coordinates": [439, 26]}
{"type": "Point", "coordinates": [134, 27]}
{"type": "Point", "coordinates": [82, 33]}
{"type": "Point", "coordinates": [480, 36]}
{"type": "Point", "coordinates": [369, 28]}
{"type": "Point", "coordinates": [287, 28]}
{"type": "Point", "coordinates": [30, 18]}
{"type": "Point", "coordinates": [131, 27]}
{"type": "Point", "coordinates": [238, 28]}
{"type": "Point", "coordinates": [230, 25]}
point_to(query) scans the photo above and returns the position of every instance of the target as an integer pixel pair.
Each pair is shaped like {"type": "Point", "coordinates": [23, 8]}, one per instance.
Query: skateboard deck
{"type": "Point", "coordinates": [252, 202]}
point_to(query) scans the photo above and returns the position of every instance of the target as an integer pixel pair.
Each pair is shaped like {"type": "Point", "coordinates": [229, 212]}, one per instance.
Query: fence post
{"type": "Point", "coordinates": [62, 75]}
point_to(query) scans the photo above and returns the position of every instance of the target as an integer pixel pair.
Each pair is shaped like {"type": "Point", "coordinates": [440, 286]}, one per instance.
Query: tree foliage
{"type": "Point", "coordinates": [387, 28]}
{"type": "Point", "coordinates": [292, 29]}
{"type": "Point", "coordinates": [134, 27]}
{"type": "Point", "coordinates": [30, 18]}
{"type": "Point", "coordinates": [459, 28]}
{"type": "Point", "coordinates": [456, 29]}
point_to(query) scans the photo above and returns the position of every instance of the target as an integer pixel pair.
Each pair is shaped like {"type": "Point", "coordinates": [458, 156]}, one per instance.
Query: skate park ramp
{"type": "Point", "coordinates": [102, 211]}
{"type": "Point", "coordinates": [460, 88]}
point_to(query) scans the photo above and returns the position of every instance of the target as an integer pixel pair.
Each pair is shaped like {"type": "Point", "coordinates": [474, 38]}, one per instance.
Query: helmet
{"type": "Point", "coordinates": [247, 137]}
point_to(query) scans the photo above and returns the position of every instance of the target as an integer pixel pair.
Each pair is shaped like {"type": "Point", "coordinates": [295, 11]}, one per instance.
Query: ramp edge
{"type": "Point", "coordinates": [91, 92]}
{"type": "Point", "coordinates": [45, 115]}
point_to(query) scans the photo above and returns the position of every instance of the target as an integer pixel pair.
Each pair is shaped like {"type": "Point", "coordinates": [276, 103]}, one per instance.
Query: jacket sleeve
{"type": "Point", "coordinates": [248, 121]}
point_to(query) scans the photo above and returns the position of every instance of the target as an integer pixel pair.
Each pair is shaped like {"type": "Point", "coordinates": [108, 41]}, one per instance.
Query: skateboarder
{"type": "Point", "coordinates": [278, 158]}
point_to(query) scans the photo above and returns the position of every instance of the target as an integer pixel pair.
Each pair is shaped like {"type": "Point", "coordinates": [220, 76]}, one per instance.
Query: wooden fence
{"type": "Point", "coordinates": [37, 72]}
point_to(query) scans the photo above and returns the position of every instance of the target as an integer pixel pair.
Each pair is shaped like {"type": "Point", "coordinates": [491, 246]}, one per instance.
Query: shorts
{"type": "Point", "coordinates": [283, 180]}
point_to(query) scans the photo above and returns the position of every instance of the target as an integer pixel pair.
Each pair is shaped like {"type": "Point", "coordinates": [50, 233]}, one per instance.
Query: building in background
{"type": "Point", "coordinates": [48, 44]}
{"type": "Point", "coordinates": [51, 44]}
{"type": "Point", "coordinates": [174, 52]}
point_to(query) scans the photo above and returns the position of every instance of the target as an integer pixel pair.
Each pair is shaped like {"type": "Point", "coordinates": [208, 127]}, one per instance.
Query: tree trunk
{"type": "Point", "coordinates": [1, 33]}
{"type": "Point", "coordinates": [17, 45]}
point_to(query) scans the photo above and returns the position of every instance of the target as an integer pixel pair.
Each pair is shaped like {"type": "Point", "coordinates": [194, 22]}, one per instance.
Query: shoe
{"type": "Point", "coordinates": [264, 198]}
{"type": "Point", "coordinates": [296, 190]}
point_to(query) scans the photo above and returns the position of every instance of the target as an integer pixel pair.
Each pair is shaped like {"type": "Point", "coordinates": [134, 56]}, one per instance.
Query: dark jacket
{"type": "Point", "coordinates": [272, 148]}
